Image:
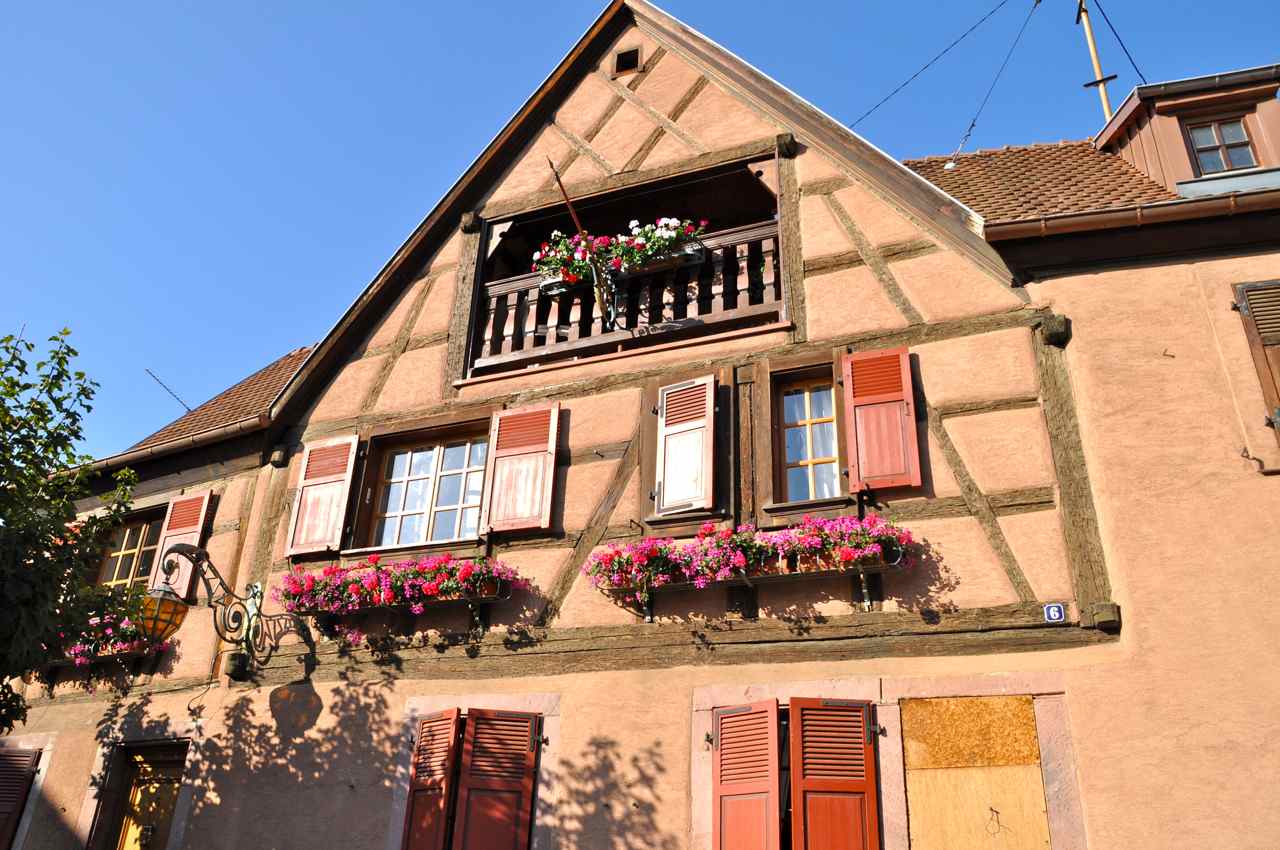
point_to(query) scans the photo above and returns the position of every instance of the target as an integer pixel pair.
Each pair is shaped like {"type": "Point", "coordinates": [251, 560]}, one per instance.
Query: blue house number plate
{"type": "Point", "coordinates": [1055, 612]}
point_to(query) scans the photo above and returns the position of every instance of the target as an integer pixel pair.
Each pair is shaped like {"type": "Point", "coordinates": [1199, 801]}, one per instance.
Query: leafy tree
{"type": "Point", "coordinates": [48, 558]}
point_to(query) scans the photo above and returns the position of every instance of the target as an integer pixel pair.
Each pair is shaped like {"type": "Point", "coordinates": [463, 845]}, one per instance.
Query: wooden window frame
{"type": "Point", "coordinates": [1268, 374]}
{"type": "Point", "coordinates": [372, 458]}
{"type": "Point", "coordinates": [806, 383]}
{"type": "Point", "coordinates": [141, 519]}
{"type": "Point", "coordinates": [723, 464]}
{"type": "Point", "coordinates": [772, 373]}
{"type": "Point", "coordinates": [1214, 122]}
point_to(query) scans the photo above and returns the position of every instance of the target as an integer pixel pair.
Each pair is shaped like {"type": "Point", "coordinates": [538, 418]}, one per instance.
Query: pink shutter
{"type": "Point", "coordinates": [498, 780]}
{"type": "Point", "coordinates": [746, 777]}
{"type": "Point", "coordinates": [880, 424]}
{"type": "Point", "coordinates": [833, 776]}
{"type": "Point", "coordinates": [685, 469]}
{"type": "Point", "coordinates": [435, 753]}
{"type": "Point", "coordinates": [320, 505]}
{"type": "Point", "coordinates": [17, 771]}
{"type": "Point", "coordinates": [521, 472]}
{"type": "Point", "coordinates": [183, 523]}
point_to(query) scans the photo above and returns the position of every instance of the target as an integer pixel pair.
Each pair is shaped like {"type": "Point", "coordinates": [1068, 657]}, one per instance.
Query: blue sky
{"type": "Point", "coordinates": [199, 188]}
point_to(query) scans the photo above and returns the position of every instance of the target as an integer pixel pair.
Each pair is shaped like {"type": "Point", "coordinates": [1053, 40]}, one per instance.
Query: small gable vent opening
{"type": "Point", "coordinates": [626, 61]}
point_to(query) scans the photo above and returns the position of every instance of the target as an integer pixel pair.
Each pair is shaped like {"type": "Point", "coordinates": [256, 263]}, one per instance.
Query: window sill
{"type": "Point", "coordinates": [807, 505]}
{"type": "Point", "coordinates": [435, 548]}
{"type": "Point", "coordinates": [1236, 180]}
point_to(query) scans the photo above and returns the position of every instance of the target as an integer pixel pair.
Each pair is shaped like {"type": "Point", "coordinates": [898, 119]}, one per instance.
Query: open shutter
{"type": "Point", "coordinates": [1259, 306]}
{"type": "Point", "coordinates": [685, 472]}
{"type": "Point", "coordinates": [833, 776]}
{"type": "Point", "coordinates": [183, 523]}
{"type": "Point", "coordinates": [320, 505]}
{"type": "Point", "coordinates": [521, 471]}
{"type": "Point", "coordinates": [497, 782]}
{"type": "Point", "coordinates": [17, 772]}
{"type": "Point", "coordinates": [745, 777]}
{"type": "Point", "coordinates": [880, 424]}
{"type": "Point", "coordinates": [435, 753]}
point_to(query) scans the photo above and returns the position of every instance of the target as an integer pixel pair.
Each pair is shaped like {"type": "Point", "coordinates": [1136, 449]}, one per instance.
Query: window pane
{"type": "Point", "coordinates": [125, 567]}
{"type": "Point", "coordinates": [793, 406]}
{"type": "Point", "coordinates": [1232, 131]}
{"type": "Point", "coordinates": [392, 498]}
{"type": "Point", "coordinates": [153, 533]}
{"type": "Point", "coordinates": [397, 465]}
{"type": "Point", "coordinates": [385, 534]}
{"type": "Point", "coordinates": [145, 558]}
{"type": "Point", "coordinates": [1210, 161]}
{"type": "Point", "coordinates": [455, 457]}
{"type": "Point", "coordinates": [824, 480]}
{"type": "Point", "coordinates": [479, 450]}
{"type": "Point", "coordinates": [442, 528]}
{"type": "Point", "coordinates": [415, 497]}
{"type": "Point", "coordinates": [475, 485]}
{"type": "Point", "coordinates": [1241, 157]}
{"type": "Point", "coordinates": [449, 491]}
{"type": "Point", "coordinates": [797, 484]}
{"type": "Point", "coordinates": [411, 529]}
{"type": "Point", "coordinates": [108, 570]}
{"type": "Point", "coordinates": [824, 439]}
{"type": "Point", "coordinates": [131, 536]}
{"type": "Point", "coordinates": [422, 462]}
{"type": "Point", "coordinates": [470, 520]}
{"type": "Point", "coordinates": [796, 450]}
{"type": "Point", "coordinates": [820, 403]}
{"type": "Point", "coordinates": [1202, 137]}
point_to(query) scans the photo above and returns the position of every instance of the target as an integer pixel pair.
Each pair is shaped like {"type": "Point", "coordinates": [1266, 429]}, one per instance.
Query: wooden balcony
{"type": "Point", "coordinates": [735, 282]}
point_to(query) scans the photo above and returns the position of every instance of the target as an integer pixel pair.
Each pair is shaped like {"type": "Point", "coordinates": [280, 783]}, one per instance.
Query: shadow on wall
{"type": "Point", "coordinates": [926, 585]}
{"type": "Point", "coordinates": [607, 799]}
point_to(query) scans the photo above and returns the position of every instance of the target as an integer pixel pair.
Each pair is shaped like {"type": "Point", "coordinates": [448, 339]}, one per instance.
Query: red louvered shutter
{"type": "Point", "coordinates": [435, 753]}
{"type": "Point", "coordinates": [833, 776]}
{"type": "Point", "coordinates": [745, 777]}
{"type": "Point", "coordinates": [1259, 306]}
{"type": "Point", "coordinates": [497, 782]}
{"type": "Point", "coordinates": [17, 771]}
{"type": "Point", "coordinates": [880, 422]}
{"type": "Point", "coordinates": [320, 505]}
{"type": "Point", "coordinates": [685, 469]}
{"type": "Point", "coordinates": [521, 471]}
{"type": "Point", "coordinates": [183, 523]}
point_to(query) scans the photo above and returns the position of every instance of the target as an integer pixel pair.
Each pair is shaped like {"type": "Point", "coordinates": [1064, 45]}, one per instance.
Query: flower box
{"type": "Point", "coordinates": [497, 591]}
{"type": "Point", "coordinates": [105, 657]}
{"type": "Point", "coordinates": [689, 254]}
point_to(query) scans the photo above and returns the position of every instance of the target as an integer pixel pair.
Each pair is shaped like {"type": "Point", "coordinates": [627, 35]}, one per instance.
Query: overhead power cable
{"type": "Point", "coordinates": [1127, 54]}
{"type": "Point", "coordinates": [929, 64]}
{"type": "Point", "coordinates": [964, 140]}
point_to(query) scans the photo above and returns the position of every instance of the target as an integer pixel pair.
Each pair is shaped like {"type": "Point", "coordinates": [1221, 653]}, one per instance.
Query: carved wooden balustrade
{"type": "Point", "coordinates": [735, 281]}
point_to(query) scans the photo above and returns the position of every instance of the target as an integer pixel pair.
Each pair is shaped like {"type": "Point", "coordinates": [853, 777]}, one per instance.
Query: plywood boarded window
{"type": "Point", "coordinates": [880, 420]}
{"type": "Point", "coordinates": [1259, 306]}
{"type": "Point", "coordinates": [320, 504]}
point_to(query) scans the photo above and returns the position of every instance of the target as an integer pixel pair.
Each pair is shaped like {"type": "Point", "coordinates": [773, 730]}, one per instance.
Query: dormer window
{"type": "Point", "coordinates": [1221, 146]}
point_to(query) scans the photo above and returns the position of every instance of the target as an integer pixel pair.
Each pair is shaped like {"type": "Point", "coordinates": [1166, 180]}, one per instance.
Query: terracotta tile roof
{"type": "Point", "coordinates": [247, 398]}
{"type": "Point", "coordinates": [1012, 183]}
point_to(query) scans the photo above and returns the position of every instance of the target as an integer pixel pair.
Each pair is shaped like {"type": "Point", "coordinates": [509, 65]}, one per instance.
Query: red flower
{"type": "Point", "coordinates": [466, 571]}
{"type": "Point", "coordinates": [374, 559]}
{"type": "Point", "coordinates": [689, 228]}
{"type": "Point", "coordinates": [616, 262]}
{"type": "Point", "coordinates": [545, 246]}
{"type": "Point", "coordinates": [354, 590]}
{"type": "Point", "coordinates": [703, 223]}
{"type": "Point", "coordinates": [570, 277]}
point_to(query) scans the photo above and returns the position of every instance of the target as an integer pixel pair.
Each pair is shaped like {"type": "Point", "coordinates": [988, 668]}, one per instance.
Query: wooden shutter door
{"type": "Point", "coordinates": [745, 777]}
{"type": "Point", "coordinates": [880, 424]}
{"type": "Point", "coordinates": [17, 772]}
{"type": "Point", "coordinates": [183, 523]}
{"type": "Point", "coordinates": [833, 776]}
{"type": "Point", "coordinates": [1259, 305]}
{"type": "Point", "coordinates": [497, 782]}
{"type": "Point", "coordinates": [685, 473]}
{"type": "Point", "coordinates": [320, 505]}
{"type": "Point", "coordinates": [435, 753]}
{"type": "Point", "coordinates": [521, 471]}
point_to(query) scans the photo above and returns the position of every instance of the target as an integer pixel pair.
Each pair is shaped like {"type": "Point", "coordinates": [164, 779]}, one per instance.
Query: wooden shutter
{"type": "Point", "coordinates": [685, 469]}
{"type": "Point", "coordinates": [17, 772]}
{"type": "Point", "coordinates": [435, 754]}
{"type": "Point", "coordinates": [497, 782]}
{"type": "Point", "coordinates": [833, 776]}
{"type": "Point", "coordinates": [320, 505]}
{"type": "Point", "coordinates": [880, 422]}
{"type": "Point", "coordinates": [521, 472]}
{"type": "Point", "coordinates": [745, 777]}
{"type": "Point", "coordinates": [1259, 305]}
{"type": "Point", "coordinates": [183, 523]}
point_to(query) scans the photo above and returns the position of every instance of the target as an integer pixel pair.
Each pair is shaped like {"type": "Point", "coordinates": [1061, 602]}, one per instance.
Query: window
{"type": "Point", "coordinates": [431, 493]}
{"type": "Point", "coordinates": [1221, 146]}
{"type": "Point", "coordinates": [473, 780]}
{"type": "Point", "coordinates": [133, 553]}
{"type": "Point", "coordinates": [138, 799]}
{"type": "Point", "coordinates": [626, 61]}
{"type": "Point", "coordinates": [810, 463]}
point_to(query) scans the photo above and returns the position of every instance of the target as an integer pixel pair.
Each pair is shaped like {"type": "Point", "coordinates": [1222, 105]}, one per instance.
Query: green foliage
{"type": "Point", "coordinates": [48, 559]}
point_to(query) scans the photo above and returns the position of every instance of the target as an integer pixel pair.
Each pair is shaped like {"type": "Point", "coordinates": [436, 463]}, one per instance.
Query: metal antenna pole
{"type": "Point", "coordinates": [606, 309]}
{"type": "Point", "coordinates": [1099, 81]}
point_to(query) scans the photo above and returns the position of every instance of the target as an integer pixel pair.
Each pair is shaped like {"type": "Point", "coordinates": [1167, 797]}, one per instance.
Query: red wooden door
{"type": "Point", "coordinates": [833, 776]}
{"type": "Point", "coordinates": [435, 754]}
{"type": "Point", "coordinates": [498, 779]}
{"type": "Point", "coordinates": [745, 777]}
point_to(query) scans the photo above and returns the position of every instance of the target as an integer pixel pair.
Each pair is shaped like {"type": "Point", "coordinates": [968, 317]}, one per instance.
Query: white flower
{"type": "Point", "coordinates": [639, 241]}
{"type": "Point", "coordinates": [634, 225]}
{"type": "Point", "coordinates": [537, 255]}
